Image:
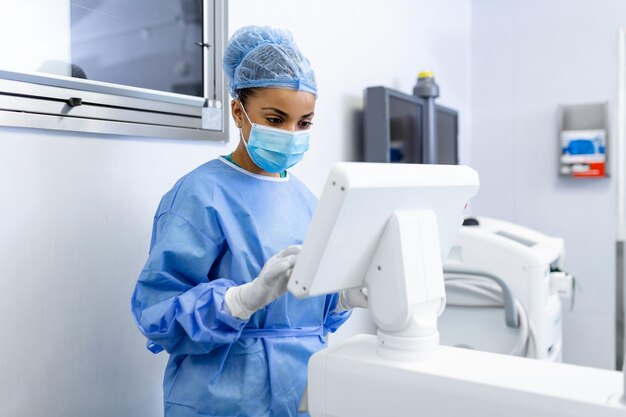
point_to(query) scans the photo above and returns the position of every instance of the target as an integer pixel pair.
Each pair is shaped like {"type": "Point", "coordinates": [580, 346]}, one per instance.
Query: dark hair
{"type": "Point", "coordinates": [244, 94]}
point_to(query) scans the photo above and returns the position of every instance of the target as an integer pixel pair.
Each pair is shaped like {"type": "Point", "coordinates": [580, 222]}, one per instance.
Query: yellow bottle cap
{"type": "Point", "coordinates": [426, 74]}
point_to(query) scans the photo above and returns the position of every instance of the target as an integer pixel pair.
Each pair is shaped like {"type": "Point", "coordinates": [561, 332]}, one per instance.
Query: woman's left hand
{"type": "Point", "coordinates": [352, 298]}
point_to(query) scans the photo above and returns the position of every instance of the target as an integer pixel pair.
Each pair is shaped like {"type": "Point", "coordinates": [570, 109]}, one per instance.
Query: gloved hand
{"type": "Point", "coordinates": [243, 300]}
{"type": "Point", "coordinates": [352, 298]}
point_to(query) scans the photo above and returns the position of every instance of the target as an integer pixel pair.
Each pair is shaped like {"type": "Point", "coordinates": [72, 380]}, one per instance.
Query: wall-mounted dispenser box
{"type": "Point", "coordinates": [583, 139]}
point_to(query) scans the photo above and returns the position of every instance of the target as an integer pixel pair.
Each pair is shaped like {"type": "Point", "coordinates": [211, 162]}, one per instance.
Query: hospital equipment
{"type": "Point", "coordinates": [394, 128]}
{"type": "Point", "coordinates": [372, 220]}
{"type": "Point", "coordinates": [428, 89]}
{"type": "Point", "coordinates": [387, 227]}
{"type": "Point", "coordinates": [584, 134]}
{"type": "Point", "coordinates": [527, 268]}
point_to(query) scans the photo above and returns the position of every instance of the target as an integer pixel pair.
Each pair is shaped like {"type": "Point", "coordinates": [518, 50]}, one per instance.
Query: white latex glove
{"type": "Point", "coordinates": [352, 298]}
{"type": "Point", "coordinates": [243, 300]}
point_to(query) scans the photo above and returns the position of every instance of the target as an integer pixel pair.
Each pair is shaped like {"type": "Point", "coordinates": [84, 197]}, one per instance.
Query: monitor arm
{"type": "Point", "coordinates": [405, 285]}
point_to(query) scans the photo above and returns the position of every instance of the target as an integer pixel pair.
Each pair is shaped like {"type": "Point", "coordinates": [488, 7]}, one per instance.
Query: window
{"type": "Point", "coordinates": [140, 67]}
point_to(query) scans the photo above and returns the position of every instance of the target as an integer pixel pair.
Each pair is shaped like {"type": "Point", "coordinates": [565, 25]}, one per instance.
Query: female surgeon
{"type": "Point", "coordinates": [225, 239]}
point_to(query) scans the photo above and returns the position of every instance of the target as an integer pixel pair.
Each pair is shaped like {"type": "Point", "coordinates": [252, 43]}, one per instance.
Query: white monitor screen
{"type": "Point", "coordinates": [356, 203]}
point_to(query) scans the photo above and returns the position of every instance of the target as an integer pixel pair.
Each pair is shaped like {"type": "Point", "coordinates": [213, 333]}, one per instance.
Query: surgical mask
{"type": "Point", "coordinates": [275, 150]}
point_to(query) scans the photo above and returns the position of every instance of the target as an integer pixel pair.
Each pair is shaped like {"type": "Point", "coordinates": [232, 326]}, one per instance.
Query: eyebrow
{"type": "Point", "coordinates": [282, 113]}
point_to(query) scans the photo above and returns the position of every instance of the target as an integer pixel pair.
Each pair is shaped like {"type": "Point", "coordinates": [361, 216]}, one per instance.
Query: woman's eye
{"type": "Point", "coordinates": [305, 124]}
{"type": "Point", "coordinates": [274, 120]}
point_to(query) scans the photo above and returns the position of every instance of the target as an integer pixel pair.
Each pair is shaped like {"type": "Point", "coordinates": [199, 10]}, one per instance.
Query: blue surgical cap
{"type": "Point", "coordinates": [260, 56]}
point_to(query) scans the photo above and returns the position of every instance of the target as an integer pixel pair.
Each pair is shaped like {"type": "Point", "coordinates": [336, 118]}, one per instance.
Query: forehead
{"type": "Point", "coordinates": [289, 101]}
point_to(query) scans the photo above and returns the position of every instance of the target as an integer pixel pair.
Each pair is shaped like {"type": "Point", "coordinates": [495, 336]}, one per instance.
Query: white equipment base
{"type": "Point", "coordinates": [352, 380]}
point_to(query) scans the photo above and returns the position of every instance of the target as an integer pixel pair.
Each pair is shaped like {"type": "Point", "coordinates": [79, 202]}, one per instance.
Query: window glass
{"type": "Point", "coordinates": [154, 44]}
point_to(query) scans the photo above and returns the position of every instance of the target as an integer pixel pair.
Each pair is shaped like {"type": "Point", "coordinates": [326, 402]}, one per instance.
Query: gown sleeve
{"type": "Point", "coordinates": [333, 320]}
{"type": "Point", "coordinates": [174, 304]}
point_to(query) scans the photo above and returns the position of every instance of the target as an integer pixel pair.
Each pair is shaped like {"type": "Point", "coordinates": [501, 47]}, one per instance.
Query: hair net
{"type": "Point", "coordinates": [260, 56]}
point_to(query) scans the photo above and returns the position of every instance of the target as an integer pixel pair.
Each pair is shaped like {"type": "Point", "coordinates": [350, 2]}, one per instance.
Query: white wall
{"type": "Point", "coordinates": [76, 209]}
{"type": "Point", "coordinates": [527, 58]}
{"type": "Point", "coordinates": [76, 218]}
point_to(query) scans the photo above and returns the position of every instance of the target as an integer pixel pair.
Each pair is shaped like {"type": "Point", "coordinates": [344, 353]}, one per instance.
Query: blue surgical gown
{"type": "Point", "coordinates": [214, 229]}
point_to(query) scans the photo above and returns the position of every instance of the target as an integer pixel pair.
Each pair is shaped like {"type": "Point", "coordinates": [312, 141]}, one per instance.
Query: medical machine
{"type": "Point", "coordinates": [387, 228]}
{"type": "Point", "coordinates": [395, 128]}
{"type": "Point", "coordinates": [497, 263]}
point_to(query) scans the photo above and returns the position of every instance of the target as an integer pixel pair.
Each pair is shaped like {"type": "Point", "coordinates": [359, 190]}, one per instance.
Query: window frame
{"type": "Point", "coordinates": [46, 101]}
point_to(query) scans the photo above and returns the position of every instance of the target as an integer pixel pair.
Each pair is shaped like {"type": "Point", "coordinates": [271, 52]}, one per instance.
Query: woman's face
{"type": "Point", "coordinates": [276, 107]}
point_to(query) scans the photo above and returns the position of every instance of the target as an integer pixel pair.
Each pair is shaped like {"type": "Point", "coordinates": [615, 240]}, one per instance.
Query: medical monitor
{"type": "Point", "coordinates": [394, 128]}
{"type": "Point", "coordinates": [447, 120]}
{"type": "Point", "coordinates": [356, 203]}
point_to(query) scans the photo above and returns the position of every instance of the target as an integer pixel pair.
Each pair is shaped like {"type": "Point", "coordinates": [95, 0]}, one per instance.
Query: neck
{"type": "Point", "coordinates": [241, 158]}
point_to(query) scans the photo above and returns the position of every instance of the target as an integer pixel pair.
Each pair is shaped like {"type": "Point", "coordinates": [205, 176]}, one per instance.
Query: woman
{"type": "Point", "coordinates": [224, 242]}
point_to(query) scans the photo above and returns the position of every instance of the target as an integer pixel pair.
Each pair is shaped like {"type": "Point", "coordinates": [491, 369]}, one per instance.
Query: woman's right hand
{"type": "Point", "coordinates": [243, 300]}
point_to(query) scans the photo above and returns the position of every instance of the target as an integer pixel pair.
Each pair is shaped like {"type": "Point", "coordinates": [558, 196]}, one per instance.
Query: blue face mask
{"type": "Point", "coordinates": [275, 150]}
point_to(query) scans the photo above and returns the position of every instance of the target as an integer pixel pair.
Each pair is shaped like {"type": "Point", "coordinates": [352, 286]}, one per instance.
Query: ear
{"type": "Point", "coordinates": [235, 109]}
